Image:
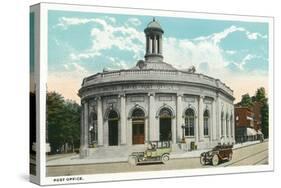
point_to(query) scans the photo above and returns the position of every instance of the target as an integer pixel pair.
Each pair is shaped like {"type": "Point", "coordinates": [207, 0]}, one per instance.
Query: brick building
{"type": "Point", "coordinates": [248, 122]}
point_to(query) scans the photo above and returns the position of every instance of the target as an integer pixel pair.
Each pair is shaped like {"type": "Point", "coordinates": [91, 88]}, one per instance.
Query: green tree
{"type": "Point", "coordinates": [55, 111]}
{"type": "Point", "coordinates": [63, 118]}
{"type": "Point", "coordinates": [264, 120]}
{"type": "Point", "coordinates": [246, 101]}
{"type": "Point", "coordinates": [72, 123]}
{"type": "Point", "coordinates": [261, 97]}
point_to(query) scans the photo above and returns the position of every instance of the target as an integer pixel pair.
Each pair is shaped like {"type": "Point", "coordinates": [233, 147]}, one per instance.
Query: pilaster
{"type": "Point", "coordinates": [123, 118]}
{"type": "Point", "coordinates": [100, 121]}
{"type": "Point", "coordinates": [200, 118]}
{"type": "Point", "coordinates": [179, 117]}
{"type": "Point", "coordinates": [152, 124]}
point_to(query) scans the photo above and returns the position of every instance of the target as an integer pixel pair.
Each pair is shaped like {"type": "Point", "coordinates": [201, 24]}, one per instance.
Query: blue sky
{"type": "Point", "coordinates": [81, 44]}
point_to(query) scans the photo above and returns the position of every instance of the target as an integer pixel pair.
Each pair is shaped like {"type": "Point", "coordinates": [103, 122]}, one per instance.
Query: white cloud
{"type": "Point", "coordinates": [205, 52]}
{"type": "Point", "coordinates": [123, 38]}
{"type": "Point", "coordinates": [117, 63]}
{"type": "Point", "coordinates": [65, 22]}
{"type": "Point", "coordinates": [218, 37]}
{"type": "Point", "coordinates": [182, 53]}
{"type": "Point", "coordinates": [134, 21]}
{"type": "Point", "coordinates": [111, 19]}
{"type": "Point", "coordinates": [75, 69]}
{"type": "Point", "coordinates": [83, 55]}
{"type": "Point", "coordinates": [230, 52]}
{"type": "Point", "coordinates": [255, 36]}
{"type": "Point", "coordinates": [79, 68]}
{"type": "Point", "coordinates": [244, 61]}
{"type": "Point", "coordinates": [107, 35]}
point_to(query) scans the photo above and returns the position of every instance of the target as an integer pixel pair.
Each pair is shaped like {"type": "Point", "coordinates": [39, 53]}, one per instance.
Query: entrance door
{"type": "Point", "coordinates": [113, 132]}
{"type": "Point", "coordinates": [138, 132]}
{"type": "Point", "coordinates": [165, 129]}
{"type": "Point", "coordinates": [138, 126]}
{"type": "Point", "coordinates": [112, 128]}
{"type": "Point", "coordinates": [165, 125]}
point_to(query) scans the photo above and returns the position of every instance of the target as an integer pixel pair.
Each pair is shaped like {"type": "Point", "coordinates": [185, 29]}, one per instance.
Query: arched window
{"type": "Point", "coordinates": [189, 122]}
{"type": "Point", "coordinates": [231, 125]}
{"type": "Point", "coordinates": [226, 125]}
{"type": "Point", "coordinates": [222, 124]}
{"type": "Point", "coordinates": [206, 123]}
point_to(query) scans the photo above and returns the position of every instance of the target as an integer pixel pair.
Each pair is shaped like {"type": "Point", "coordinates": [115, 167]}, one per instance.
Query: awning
{"type": "Point", "coordinates": [251, 132]}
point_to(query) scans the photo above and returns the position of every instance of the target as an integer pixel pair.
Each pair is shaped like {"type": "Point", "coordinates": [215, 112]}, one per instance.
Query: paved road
{"type": "Point", "coordinates": [250, 155]}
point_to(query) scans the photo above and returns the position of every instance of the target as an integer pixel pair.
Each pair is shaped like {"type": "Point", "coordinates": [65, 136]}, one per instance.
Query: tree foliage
{"type": "Point", "coordinates": [63, 121]}
{"type": "Point", "coordinates": [264, 120]}
{"type": "Point", "coordinates": [246, 101]}
{"type": "Point", "coordinates": [261, 97]}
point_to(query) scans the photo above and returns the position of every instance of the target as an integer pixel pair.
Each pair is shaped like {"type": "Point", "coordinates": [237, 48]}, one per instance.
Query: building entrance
{"type": "Point", "coordinates": [165, 125]}
{"type": "Point", "coordinates": [112, 128]}
{"type": "Point", "coordinates": [138, 126]}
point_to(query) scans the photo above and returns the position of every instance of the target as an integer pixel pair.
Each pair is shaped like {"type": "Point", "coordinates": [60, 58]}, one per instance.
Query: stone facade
{"type": "Point", "coordinates": [155, 101]}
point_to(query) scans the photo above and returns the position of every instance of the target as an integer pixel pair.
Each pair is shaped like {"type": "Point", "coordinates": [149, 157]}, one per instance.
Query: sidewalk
{"type": "Point", "coordinates": [120, 154]}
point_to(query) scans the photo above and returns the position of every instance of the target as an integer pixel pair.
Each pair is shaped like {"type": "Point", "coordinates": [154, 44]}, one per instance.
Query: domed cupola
{"type": "Point", "coordinates": [153, 33]}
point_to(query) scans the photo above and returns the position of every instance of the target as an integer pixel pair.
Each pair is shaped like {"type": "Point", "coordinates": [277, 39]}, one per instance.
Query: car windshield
{"type": "Point", "coordinates": [158, 144]}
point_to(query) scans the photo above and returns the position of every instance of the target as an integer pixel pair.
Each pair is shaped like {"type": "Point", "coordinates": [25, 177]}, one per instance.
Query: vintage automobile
{"type": "Point", "coordinates": [217, 154]}
{"type": "Point", "coordinates": [157, 151]}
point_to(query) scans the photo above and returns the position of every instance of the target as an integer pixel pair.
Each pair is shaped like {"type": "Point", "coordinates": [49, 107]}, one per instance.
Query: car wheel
{"type": "Point", "coordinates": [133, 160]}
{"type": "Point", "coordinates": [215, 160]}
{"type": "Point", "coordinates": [230, 156]}
{"type": "Point", "coordinates": [165, 158]}
{"type": "Point", "coordinates": [202, 160]}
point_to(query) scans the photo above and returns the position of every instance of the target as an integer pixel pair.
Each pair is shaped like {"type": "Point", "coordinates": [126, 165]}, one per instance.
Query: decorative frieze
{"type": "Point", "coordinates": [137, 98]}
{"type": "Point", "coordinates": [190, 99]}
{"type": "Point", "coordinates": [165, 98]}
{"type": "Point", "coordinates": [208, 101]}
{"type": "Point", "coordinates": [111, 101]}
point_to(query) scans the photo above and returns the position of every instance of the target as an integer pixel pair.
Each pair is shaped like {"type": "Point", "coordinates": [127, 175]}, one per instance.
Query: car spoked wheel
{"type": "Point", "coordinates": [202, 160]}
{"type": "Point", "coordinates": [165, 158]}
{"type": "Point", "coordinates": [215, 160]}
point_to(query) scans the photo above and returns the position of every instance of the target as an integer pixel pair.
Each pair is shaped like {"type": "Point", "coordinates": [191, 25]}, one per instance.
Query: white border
{"type": "Point", "coordinates": [44, 7]}
{"type": "Point", "coordinates": [36, 11]}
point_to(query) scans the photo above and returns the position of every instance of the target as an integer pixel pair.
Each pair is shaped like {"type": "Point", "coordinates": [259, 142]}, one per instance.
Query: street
{"type": "Point", "coordinates": [256, 154]}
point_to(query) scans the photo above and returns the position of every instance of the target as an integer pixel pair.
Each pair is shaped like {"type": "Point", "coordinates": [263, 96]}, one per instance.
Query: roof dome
{"type": "Point", "coordinates": [154, 24]}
